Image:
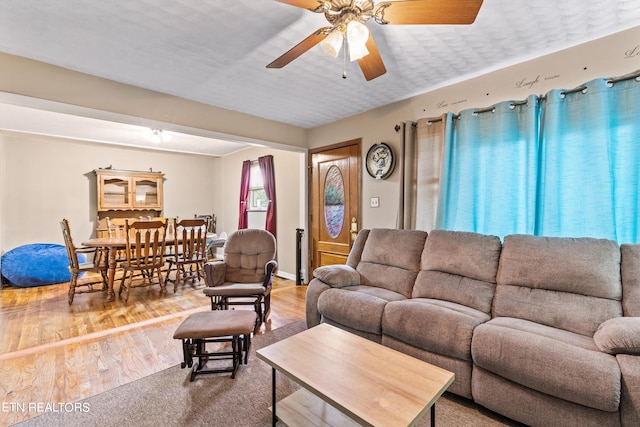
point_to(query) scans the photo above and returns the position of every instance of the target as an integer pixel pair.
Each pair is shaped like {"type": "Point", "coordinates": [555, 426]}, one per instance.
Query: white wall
{"type": "Point", "coordinates": [615, 55]}
{"type": "Point", "coordinates": [50, 178]}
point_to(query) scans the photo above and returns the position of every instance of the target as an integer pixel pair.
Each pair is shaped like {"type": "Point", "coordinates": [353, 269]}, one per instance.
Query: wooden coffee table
{"type": "Point", "coordinates": [349, 380]}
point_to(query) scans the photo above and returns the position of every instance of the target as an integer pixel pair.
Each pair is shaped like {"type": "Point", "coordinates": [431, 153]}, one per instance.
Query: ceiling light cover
{"type": "Point", "coordinates": [332, 43]}
{"type": "Point", "coordinates": [357, 36]}
{"type": "Point", "coordinates": [357, 32]}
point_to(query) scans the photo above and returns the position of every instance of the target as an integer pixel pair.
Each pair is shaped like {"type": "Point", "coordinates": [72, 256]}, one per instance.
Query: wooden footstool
{"type": "Point", "coordinates": [220, 326]}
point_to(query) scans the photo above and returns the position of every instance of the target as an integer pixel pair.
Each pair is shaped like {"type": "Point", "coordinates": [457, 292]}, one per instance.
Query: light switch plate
{"type": "Point", "coordinates": [375, 202]}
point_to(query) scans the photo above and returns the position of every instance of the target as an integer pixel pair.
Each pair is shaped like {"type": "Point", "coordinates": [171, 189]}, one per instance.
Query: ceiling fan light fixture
{"type": "Point", "coordinates": [357, 51]}
{"type": "Point", "coordinates": [357, 32]}
{"type": "Point", "coordinates": [357, 36]}
{"type": "Point", "coordinates": [332, 43]}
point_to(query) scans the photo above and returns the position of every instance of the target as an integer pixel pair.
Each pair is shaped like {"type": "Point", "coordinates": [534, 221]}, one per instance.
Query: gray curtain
{"type": "Point", "coordinates": [427, 150]}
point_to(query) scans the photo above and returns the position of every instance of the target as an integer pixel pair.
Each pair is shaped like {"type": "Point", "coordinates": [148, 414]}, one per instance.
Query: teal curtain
{"type": "Point", "coordinates": [626, 160]}
{"type": "Point", "coordinates": [565, 165]}
{"type": "Point", "coordinates": [489, 169]}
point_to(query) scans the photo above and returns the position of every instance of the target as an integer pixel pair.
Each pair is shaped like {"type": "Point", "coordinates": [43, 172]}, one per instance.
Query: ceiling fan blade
{"type": "Point", "coordinates": [372, 65]}
{"type": "Point", "coordinates": [305, 4]}
{"type": "Point", "coordinates": [300, 48]}
{"type": "Point", "coordinates": [427, 12]}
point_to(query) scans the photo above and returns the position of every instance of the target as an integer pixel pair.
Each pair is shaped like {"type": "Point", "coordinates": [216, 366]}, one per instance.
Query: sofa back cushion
{"type": "Point", "coordinates": [630, 270]}
{"type": "Point", "coordinates": [459, 267]}
{"type": "Point", "coordinates": [391, 259]}
{"type": "Point", "coordinates": [568, 283]}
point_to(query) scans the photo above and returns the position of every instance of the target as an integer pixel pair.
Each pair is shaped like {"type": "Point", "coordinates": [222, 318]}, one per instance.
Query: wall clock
{"type": "Point", "coordinates": [380, 161]}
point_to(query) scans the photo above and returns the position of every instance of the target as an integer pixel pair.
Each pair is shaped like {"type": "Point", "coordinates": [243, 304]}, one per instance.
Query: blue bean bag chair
{"type": "Point", "coordinates": [37, 264]}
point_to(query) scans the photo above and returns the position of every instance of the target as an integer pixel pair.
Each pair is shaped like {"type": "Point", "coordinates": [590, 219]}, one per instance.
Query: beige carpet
{"type": "Point", "coordinates": [167, 398]}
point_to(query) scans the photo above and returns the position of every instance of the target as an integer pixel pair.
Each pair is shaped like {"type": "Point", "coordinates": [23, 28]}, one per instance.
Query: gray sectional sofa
{"type": "Point", "coordinates": [543, 330]}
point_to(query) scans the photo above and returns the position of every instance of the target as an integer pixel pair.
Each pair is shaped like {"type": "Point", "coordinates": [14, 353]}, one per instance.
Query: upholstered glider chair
{"type": "Point", "coordinates": [96, 264]}
{"type": "Point", "coordinates": [145, 251]}
{"type": "Point", "coordinates": [245, 275]}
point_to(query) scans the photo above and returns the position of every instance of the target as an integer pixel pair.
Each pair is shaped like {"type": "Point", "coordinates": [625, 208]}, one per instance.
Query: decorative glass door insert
{"type": "Point", "coordinates": [334, 202]}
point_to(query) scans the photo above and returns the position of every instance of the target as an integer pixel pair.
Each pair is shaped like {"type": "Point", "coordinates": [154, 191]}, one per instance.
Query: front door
{"type": "Point", "coordinates": [335, 202]}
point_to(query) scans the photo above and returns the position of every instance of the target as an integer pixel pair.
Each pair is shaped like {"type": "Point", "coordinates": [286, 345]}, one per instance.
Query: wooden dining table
{"type": "Point", "coordinates": [113, 245]}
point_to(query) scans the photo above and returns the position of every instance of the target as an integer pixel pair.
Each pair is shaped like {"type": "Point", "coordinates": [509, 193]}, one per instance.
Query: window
{"type": "Point", "coordinates": [258, 200]}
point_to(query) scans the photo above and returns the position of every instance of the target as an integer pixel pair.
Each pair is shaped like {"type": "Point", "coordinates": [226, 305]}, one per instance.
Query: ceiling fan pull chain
{"type": "Point", "coordinates": [344, 58]}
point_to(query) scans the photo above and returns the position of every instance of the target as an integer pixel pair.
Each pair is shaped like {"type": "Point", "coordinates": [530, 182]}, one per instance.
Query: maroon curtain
{"type": "Point", "coordinates": [269, 183]}
{"type": "Point", "coordinates": [244, 194]}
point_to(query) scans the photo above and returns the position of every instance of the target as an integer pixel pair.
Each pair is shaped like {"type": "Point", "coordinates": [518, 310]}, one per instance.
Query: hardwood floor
{"type": "Point", "coordinates": [53, 352]}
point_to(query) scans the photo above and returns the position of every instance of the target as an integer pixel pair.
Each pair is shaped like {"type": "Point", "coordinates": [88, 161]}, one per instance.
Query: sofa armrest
{"type": "Point", "coordinates": [620, 335]}
{"type": "Point", "coordinates": [337, 276]}
{"type": "Point", "coordinates": [214, 273]}
{"type": "Point", "coordinates": [315, 288]}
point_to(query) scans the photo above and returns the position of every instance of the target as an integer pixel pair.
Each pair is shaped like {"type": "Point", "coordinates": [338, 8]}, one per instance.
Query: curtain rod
{"type": "Point", "coordinates": [610, 83]}
{"type": "Point", "coordinates": [583, 88]}
{"type": "Point", "coordinates": [491, 109]}
{"type": "Point", "coordinates": [439, 119]}
{"type": "Point", "coordinates": [516, 103]}
{"type": "Point", "coordinates": [635, 75]}
{"type": "Point", "coordinates": [485, 110]}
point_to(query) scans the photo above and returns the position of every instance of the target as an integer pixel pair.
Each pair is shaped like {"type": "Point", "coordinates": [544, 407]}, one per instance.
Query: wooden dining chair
{"type": "Point", "coordinates": [211, 221]}
{"type": "Point", "coordinates": [189, 250]}
{"type": "Point", "coordinates": [97, 263]}
{"type": "Point", "coordinates": [214, 240]}
{"type": "Point", "coordinates": [144, 253]}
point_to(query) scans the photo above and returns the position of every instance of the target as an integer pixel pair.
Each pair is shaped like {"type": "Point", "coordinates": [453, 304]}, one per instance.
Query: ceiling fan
{"type": "Point", "coordinates": [348, 19]}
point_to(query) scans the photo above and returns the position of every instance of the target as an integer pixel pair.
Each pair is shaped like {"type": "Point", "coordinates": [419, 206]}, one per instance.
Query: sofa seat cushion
{"type": "Point", "coordinates": [559, 363]}
{"type": "Point", "coordinates": [436, 326]}
{"type": "Point", "coordinates": [358, 307]}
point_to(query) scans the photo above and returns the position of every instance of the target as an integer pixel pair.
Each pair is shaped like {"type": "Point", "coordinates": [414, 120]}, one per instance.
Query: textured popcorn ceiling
{"type": "Point", "coordinates": [215, 51]}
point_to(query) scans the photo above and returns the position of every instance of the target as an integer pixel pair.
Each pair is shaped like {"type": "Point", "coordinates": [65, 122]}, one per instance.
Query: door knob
{"type": "Point", "coordinates": [354, 229]}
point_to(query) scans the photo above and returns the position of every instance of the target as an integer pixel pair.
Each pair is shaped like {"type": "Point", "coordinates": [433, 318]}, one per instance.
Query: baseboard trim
{"type": "Point", "coordinates": [286, 275]}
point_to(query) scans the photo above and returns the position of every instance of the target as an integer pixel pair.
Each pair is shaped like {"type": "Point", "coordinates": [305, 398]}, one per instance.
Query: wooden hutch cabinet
{"type": "Point", "coordinates": [127, 194]}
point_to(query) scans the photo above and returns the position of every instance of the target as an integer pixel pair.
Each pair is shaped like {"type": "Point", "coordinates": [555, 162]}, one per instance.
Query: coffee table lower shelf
{"type": "Point", "coordinates": [304, 408]}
